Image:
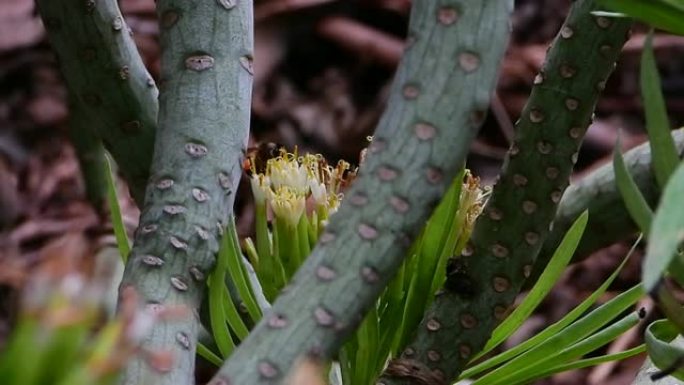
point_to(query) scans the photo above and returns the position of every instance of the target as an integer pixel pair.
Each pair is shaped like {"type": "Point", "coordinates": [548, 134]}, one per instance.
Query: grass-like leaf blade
{"type": "Point", "coordinates": [217, 298]}
{"type": "Point", "coordinates": [663, 149]}
{"type": "Point", "coordinates": [587, 362]}
{"type": "Point", "coordinates": [566, 337]}
{"type": "Point", "coordinates": [560, 259]}
{"type": "Point", "coordinates": [634, 200]}
{"type": "Point", "coordinates": [667, 231]}
{"type": "Point", "coordinates": [662, 14]}
{"type": "Point", "coordinates": [587, 345]}
{"type": "Point", "coordinates": [122, 242]}
{"type": "Point", "coordinates": [436, 245]}
{"type": "Point", "coordinates": [551, 330]}
{"type": "Point", "coordinates": [208, 355]}
{"type": "Point", "coordinates": [237, 271]}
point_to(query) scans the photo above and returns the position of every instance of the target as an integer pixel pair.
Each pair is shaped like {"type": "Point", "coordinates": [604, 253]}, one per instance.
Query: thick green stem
{"type": "Point", "coordinates": [90, 153]}
{"type": "Point", "coordinates": [203, 127]}
{"type": "Point", "coordinates": [110, 84]}
{"type": "Point", "coordinates": [597, 192]}
{"type": "Point", "coordinates": [438, 101]}
{"type": "Point", "coordinates": [483, 282]}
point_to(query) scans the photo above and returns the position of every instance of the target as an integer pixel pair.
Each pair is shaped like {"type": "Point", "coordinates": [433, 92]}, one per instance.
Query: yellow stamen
{"type": "Point", "coordinates": [288, 205]}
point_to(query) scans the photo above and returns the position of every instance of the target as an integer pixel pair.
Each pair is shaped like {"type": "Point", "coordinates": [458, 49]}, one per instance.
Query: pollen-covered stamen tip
{"type": "Point", "coordinates": [285, 171]}
{"type": "Point", "coordinates": [288, 205]}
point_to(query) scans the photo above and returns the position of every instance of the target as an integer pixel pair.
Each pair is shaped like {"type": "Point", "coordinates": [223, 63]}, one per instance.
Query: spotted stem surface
{"type": "Point", "coordinates": [597, 192]}
{"type": "Point", "coordinates": [483, 282]}
{"type": "Point", "coordinates": [439, 99]}
{"type": "Point", "coordinates": [90, 153]}
{"type": "Point", "coordinates": [107, 80]}
{"type": "Point", "coordinates": [206, 82]}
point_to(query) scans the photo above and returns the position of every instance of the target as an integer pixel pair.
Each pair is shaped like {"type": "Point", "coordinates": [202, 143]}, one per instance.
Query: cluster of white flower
{"type": "Point", "coordinates": [289, 180]}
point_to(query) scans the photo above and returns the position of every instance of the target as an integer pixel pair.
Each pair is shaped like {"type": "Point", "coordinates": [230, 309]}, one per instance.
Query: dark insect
{"type": "Point", "coordinates": [458, 280]}
{"type": "Point", "coordinates": [257, 157]}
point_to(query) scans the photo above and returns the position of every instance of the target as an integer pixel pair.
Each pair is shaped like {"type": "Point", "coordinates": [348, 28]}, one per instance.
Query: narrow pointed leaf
{"type": "Point", "coordinates": [588, 362]}
{"type": "Point", "coordinates": [217, 299]}
{"type": "Point", "coordinates": [635, 202]}
{"type": "Point", "coordinates": [667, 231]}
{"type": "Point", "coordinates": [543, 286]}
{"type": "Point", "coordinates": [551, 330]}
{"type": "Point", "coordinates": [663, 14]}
{"type": "Point", "coordinates": [237, 272]}
{"type": "Point", "coordinates": [122, 241]}
{"type": "Point", "coordinates": [208, 355]}
{"type": "Point", "coordinates": [568, 336]}
{"type": "Point", "coordinates": [665, 158]}
{"type": "Point", "coordinates": [587, 345]}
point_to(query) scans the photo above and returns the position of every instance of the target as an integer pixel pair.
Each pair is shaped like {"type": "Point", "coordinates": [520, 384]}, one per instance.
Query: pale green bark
{"type": "Point", "coordinates": [438, 101]}
{"type": "Point", "coordinates": [107, 79]}
{"type": "Point", "coordinates": [91, 155]}
{"type": "Point", "coordinates": [205, 86]}
{"type": "Point", "coordinates": [483, 282]}
{"type": "Point", "coordinates": [597, 192]}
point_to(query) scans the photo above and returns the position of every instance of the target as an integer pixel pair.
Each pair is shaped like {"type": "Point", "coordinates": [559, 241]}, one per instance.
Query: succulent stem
{"type": "Point", "coordinates": [108, 80]}
{"type": "Point", "coordinates": [483, 282]}
{"type": "Point", "coordinates": [597, 192]}
{"type": "Point", "coordinates": [438, 101]}
{"type": "Point", "coordinates": [203, 121]}
{"type": "Point", "coordinates": [91, 155]}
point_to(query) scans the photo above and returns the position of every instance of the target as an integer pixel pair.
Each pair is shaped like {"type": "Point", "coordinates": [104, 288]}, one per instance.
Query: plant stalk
{"type": "Point", "coordinates": [438, 101]}
{"type": "Point", "coordinates": [107, 80]}
{"type": "Point", "coordinates": [206, 84]}
{"type": "Point", "coordinates": [483, 282]}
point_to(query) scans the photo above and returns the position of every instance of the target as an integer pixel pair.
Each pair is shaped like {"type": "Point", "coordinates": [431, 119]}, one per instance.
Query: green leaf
{"type": "Point", "coordinates": [217, 300]}
{"type": "Point", "coordinates": [435, 245]}
{"type": "Point", "coordinates": [367, 346]}
{"type": "Point", "coordinates": [115, 212]}
{"type": "Point", "coordinates": [237, 325]}
{"type": "Point", "coordinates": [587, 345]}
{"type": "Point", "coordinates": [665, 157]}
{"type": "Point", "coordinates": [663, 353]}
{"type": "Point", "coordinates": [24, 343]}
{"type": "Point", "coordinates": [561, 258]}
{"type": "Point", "coordinates": [634, 201]}
{"type": "Point", "coordinates": [566, 337]}
{"type": "Point", "coordinates": [63, 351]}
{"type": "Point", "coordinates": [587, 362]}
{"type": "Point", "coordinates": [208, 355]}
{"type": "Point", "coordinates": [236, 270]}
{"type": "Point", "coordinates": [551, 330]}
{"type": "Point", "coordinates": [663, 14]}
{"type": "Point", "coordinates": [667, 231]}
